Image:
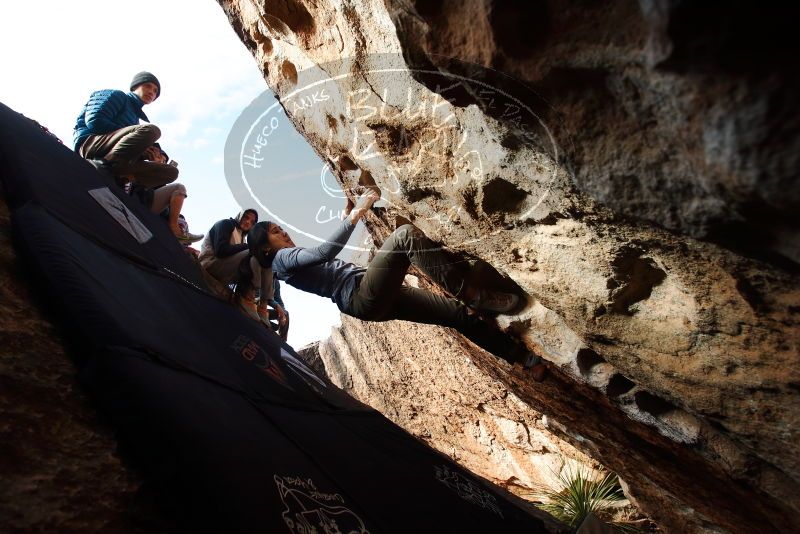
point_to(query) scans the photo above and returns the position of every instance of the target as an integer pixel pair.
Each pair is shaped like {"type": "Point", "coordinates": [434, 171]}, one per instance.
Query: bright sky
{"type": "Point", "coordinates": [56, 53]}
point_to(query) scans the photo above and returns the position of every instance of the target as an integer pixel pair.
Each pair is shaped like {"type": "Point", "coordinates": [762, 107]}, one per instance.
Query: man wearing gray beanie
{"type": "Point", "coordinates": [107, 130]}
{"type": "Point", "coordinates": [108, 134]}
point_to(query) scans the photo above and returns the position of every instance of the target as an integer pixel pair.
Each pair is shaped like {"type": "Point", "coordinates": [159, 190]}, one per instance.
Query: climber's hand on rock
{"type": "Point", "coordinates": [363, 204]}
{"type": "Point", "coordinates": [348, 208]}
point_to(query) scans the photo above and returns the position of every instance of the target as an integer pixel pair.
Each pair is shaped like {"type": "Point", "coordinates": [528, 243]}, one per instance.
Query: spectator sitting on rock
{"type": "Point", "coordinates": [222, 252]}
{"type": "Point", "coordinates": [107, 133]}
{"type": "Point", "coordinates": [377, 293]}
{"type": "Point", "coordinates": [166, 199]}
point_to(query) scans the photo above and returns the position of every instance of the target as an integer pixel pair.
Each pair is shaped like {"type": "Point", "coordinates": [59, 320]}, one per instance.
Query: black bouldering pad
{"type": "Point", "coordinates": [212, 408]}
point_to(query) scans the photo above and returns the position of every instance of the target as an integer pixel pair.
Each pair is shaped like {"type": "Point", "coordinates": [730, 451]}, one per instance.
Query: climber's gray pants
{"type": "Point", "coordinates": [381, 295]}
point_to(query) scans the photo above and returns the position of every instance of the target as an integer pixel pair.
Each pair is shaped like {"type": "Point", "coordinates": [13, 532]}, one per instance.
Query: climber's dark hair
{"type": "Point", "coordinates": [257, 240]}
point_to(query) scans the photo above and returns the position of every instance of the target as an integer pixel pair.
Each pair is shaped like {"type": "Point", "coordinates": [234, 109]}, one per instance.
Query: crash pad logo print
{"type": "Point", "coordinates": [467, 489]}
{"type": "Point", "coordinates": [251, 351]}
{"type": "Point", "coordinates": [121, 214]}
{"type": "Point", "coordinates": [309, 510]}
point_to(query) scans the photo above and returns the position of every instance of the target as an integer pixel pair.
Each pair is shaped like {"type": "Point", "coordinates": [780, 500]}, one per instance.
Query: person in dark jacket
{"type": "Point", "coordinates": [221, 255]}
{"type": "Point", "coordinates": [108, 132]}
{"type": "Point", "coordinates": [377, 293]}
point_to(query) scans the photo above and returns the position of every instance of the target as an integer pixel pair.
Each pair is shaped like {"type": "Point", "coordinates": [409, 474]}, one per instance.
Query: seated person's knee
{"type": "Point", "coordinates": [153, 131]}
{"type": "Point", "coordinates": [179, 190]}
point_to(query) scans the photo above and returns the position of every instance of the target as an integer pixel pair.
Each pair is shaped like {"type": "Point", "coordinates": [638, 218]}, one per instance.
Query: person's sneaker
{"type": "Point", "coordinates": [494, 301]}
{"type": "Point", "coordinates": [181, 231]}
{"type": "Point", "coordinates": [189, 237]}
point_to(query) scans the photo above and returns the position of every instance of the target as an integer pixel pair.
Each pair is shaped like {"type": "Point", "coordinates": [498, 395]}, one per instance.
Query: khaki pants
{"type": "Point", "coordinates": [124, 147]}
{"type": "Point", "coordinates": [226, 269]}
{"type": "Point", "coordinates": [163, 195]}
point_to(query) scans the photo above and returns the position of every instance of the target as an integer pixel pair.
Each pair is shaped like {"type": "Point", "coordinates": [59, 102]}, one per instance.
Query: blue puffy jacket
{"type": "Point", "coordinates": [107, 110]}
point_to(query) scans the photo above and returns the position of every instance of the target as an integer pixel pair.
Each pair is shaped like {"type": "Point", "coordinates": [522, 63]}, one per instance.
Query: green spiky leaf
{"type": "Point", "coordinates": [581, 493]}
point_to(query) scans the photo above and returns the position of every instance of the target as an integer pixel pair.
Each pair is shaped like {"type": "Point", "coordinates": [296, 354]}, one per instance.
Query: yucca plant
{"type": "Point", "coordinates": [582, 492]}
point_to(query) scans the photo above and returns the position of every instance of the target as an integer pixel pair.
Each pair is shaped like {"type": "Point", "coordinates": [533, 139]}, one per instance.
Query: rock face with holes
{"type": "Point", "coordinates": [490, 429]}
{"type": "Point", "coordinates": [639, 187]}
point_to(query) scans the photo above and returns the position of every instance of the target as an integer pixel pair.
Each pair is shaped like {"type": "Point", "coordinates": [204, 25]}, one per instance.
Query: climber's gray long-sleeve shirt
{"type": "Point", "coordinates": [316, 270]}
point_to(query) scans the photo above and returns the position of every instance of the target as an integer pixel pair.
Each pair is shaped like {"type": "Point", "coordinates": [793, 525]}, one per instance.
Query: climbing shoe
{"type": "Point", "coordinates": [493, 301]}
{"type": "Point", "coordinates": [535, 364]}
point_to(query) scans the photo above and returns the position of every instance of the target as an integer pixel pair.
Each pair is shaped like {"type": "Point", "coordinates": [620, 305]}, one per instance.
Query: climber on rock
{"type": "Point", "coordinates": [222, 253]}
{"type": "Point", "coordinates": [377, 293]}
{"type": "Point", "coordinates": [108, 134]}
